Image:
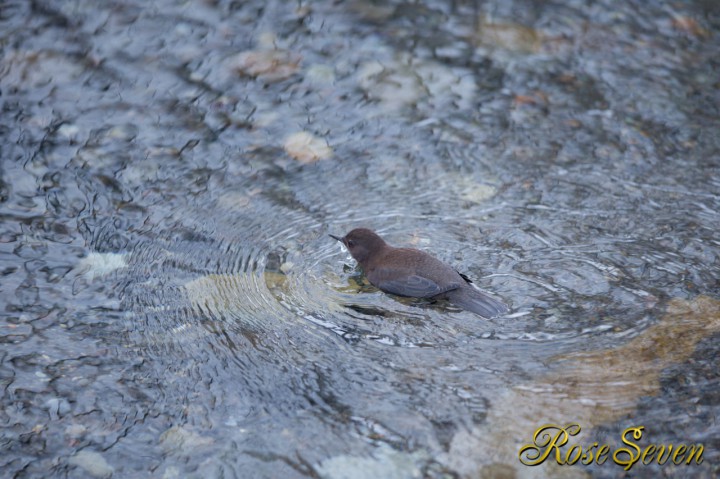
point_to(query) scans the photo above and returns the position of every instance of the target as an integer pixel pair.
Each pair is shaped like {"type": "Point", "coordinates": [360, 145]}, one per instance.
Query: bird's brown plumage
{"type": "Point", "coordinates": [414, 273]}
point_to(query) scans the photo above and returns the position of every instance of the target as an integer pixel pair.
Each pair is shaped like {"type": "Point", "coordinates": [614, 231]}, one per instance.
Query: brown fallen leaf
{"type": "Point", "coordinates": [509, 36]}
{"type": "Point", "coordinates": [690, 26]}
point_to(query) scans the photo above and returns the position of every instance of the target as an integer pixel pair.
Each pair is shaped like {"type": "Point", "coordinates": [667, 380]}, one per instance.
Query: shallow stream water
{"type": "Point", "coordinates": [172, 305]}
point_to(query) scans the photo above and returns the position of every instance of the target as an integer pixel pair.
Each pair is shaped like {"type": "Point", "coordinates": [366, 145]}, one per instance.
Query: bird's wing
{"type": "Point", "coordinates": [413, 286]}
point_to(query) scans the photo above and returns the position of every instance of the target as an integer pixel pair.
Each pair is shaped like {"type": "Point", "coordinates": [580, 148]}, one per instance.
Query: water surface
{"type": "Point", "coordinates": [174, 307]}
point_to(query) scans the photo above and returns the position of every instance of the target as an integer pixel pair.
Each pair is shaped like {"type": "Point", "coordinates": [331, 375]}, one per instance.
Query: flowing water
{"type": "Point", "coordinates": [172, 304]}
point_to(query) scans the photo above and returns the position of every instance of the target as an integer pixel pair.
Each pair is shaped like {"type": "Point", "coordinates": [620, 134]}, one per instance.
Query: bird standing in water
{"type": "Point", "coordinates": [413, 273]}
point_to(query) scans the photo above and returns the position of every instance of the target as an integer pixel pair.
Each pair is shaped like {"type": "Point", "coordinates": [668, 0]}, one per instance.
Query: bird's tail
{"type": "Point", "coordinates": [472, 299]}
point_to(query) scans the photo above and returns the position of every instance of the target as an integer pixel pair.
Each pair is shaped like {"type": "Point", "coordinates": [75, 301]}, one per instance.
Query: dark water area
{"type": "Point", "coordinates": [172, 305]}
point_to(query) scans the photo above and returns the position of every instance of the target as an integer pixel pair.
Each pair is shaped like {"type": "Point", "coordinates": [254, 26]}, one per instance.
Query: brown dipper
{"type": "Point", "coordinates": [413, 273]}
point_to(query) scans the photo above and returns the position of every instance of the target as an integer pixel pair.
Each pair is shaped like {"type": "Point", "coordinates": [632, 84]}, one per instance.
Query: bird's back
{"type": "Point", "coordinates": [410, 272]}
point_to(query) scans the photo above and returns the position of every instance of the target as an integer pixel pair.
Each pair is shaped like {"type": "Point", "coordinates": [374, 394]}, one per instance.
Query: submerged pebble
{"type": "Point", "coordinates": [96, 265]}
{"type": "Point", "coordinates": [92, 462]}
{"type": "Point", "coordinates": [269, 65]}
{"type": "Point", "coordinates": [307, 148]}
{"type": "Point", "coordinates": [385, 462]}
{"type": "Point", "coordinates": [182, 440]}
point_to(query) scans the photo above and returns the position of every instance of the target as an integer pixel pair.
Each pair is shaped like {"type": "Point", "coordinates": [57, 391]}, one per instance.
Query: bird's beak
{"type": "Point", "coordinates": [337, 238]}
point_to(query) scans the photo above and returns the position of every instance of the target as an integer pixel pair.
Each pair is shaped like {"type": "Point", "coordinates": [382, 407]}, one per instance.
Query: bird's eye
{"type": "Point", "coordinates": [350, 243]}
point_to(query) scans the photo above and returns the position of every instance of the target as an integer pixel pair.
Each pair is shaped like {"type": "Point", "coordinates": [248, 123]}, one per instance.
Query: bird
{"type": "Point", "coordinates": [413, 273]}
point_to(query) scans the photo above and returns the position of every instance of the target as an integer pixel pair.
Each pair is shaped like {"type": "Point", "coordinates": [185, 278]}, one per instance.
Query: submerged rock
{"type": "Point", "coordinates": [587, 388]}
